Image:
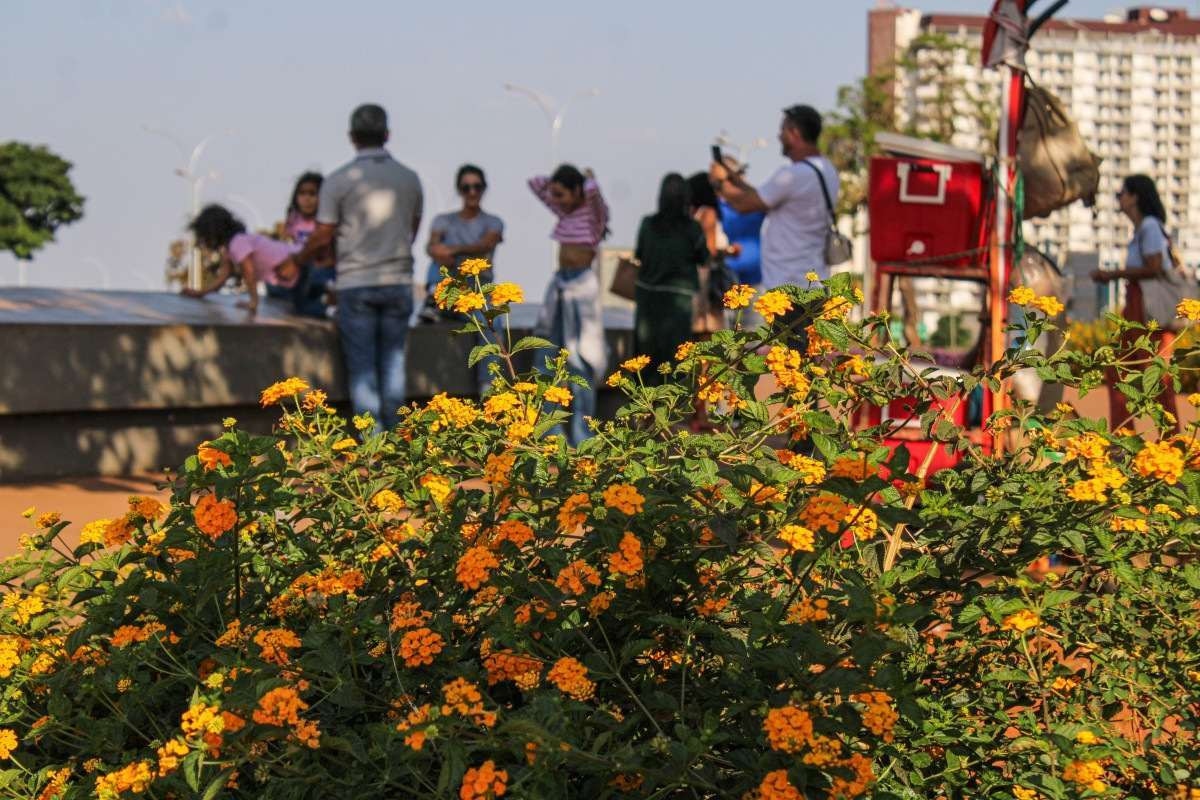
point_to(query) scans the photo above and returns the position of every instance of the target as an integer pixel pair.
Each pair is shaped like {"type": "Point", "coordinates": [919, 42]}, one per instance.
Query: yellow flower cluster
{"type": "Point", "coordinates": [1024, 296]}
{"type": "Point", "coordinates": [1021, 621]}
{"type": "Point", "coordinates": [505, 293]}
{"type": "Point", "coordinates": [387, 501]}
{"type": "Point", "coordinates": [738, 296]}
{"type": "Point", "coordinates": [24, 607]}
{"type": "Point", "coordinates": [1188, 309]}
{"type": "Point", "coordinates": [466, 302]}
{"type": "Point", "coordinates": [773, 304]}
{"type": "Point", "coordinates": [451, 412]}
{"type": "Point", "coordinates": [635, 364]}
{"type": "Point", "coordinates": [1159, 461]}
{"type": "Point", "coordinates": [134, 778]}
{"type": "Point", "coordinates": [1085, 774]}
{"type": "Point", "coordinates": [438, 487]}
{"type": "Point", "coordinates": [797, 537]}
{"type": "Point", "coordinates": [8, 743]}
{"type": "Point", "coordinates": [811, 470]}
{"type": "Point", "coordinates": [473, 267]}
{"type": "Point", "coordinates": [784, 364]}
{"type": "Point", "coordinates": [559, 394]}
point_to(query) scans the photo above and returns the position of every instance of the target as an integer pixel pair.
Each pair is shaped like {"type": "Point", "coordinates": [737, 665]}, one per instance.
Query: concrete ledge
{"type": "Point", "coordinates": [108, 383]}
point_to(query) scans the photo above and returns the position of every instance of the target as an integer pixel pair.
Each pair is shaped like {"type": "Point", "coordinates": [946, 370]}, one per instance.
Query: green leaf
{"type": "Point", "coordinates": [530, 343]}
{"type": "Point", "coordinates": [215, 786]}
{"type": "Point", "coordinates": [834, 332]}
{"type": "Point", "coordinates": [480, 352]}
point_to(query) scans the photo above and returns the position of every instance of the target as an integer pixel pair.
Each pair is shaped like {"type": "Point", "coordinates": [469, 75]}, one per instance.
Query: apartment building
{"type": "Point", "coordinates": [1129, 80]}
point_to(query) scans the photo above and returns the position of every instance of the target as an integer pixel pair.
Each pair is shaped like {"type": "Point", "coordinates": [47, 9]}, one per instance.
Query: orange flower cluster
{"type": "Point", "coordinates": [523, 614]}
{"type": "Point", "coordinates": [133, 634]}
{"type": "Point", "coordinates": [879, 717]}
{"type": "Point", "coordinates": [1159, 461]}
{"type": "Point", "coordinates": [483, 782]}
{"type": "Point", "coordinates": [418, 647]}
{"type": "Point", "coordinates": [788, 729]}
{"type": "Point", "coordinates": [333, 581]}
{"type": "Point", "coordinates": [407, 613]}
{"type": "Point", "coordinates": [281, 707]}
{"type": "Point", "coordinates": [275, 643]}
{"type": "Point", "coordinates": [462, 697]}
{"type": "Point", "coordinates": [808, 609]}
{"type": "Point", "coordinates": [624, 497]}
{"type": "Point", "coordinates": [474, 567]}
{"type": "Point", "coordinates": [854, 467]}
{"type": "Point", "coordinates": [861, 777]}
{"type": "Point", "coordinates": [210, 457]}
{"type": "Point", "coordinates": [825, 512]}
{"type": "Point", "coordinates": [169, 756]}
{"type": "Point", "coordinates": [417, 717]}
{"type": "Point", "coordinates": [627, 560]}
{"type": "Point", "coordinates": [574, 578]}
{"type": "Point", "coordinates": [512, 530]}
{"type": "Point", "coordinates": [506, 665]}
{"type": "Point", "coordinates": [823, 751]}
{"type": "Point", "coordinates": [135, 778]}
{"type": "Point", "coordinates": [214, 517]}
{"type": "Point", "coordinates": [574, 512]}
{"type": "Point", "coordinates": [784, 364]}
{"type": "Point", "coordinates": [776, 786]}
{"type": "Point", "coordinates": [570, 676]}
{"type": "Point", "coordinates": [282, 389]}
{"type": "Point", "coordinates": [497, 469]}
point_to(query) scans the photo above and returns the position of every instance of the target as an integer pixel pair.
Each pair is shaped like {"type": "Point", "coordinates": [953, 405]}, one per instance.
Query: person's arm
{"type": "Point", "coordinates": [486, 244]}
{"type": "Point", "coordinates": [540, 186]}
{"type": "Point", "coordinates": [224, 270]}
{"type": "Point", "coordinates": [708, 224]}
{"type": "Point", "coordinates": [250, 280]}
{"type": "Point", "coordinates": [321, 237]}
{"type": "Point", "coordinates": [418, 210]}
{"type": "Point", "coordinates": [1151, 269]}
{"type": "Point", "coordinates": [734, 190]}
{"type": "Point", "coordinates": [442, 254]}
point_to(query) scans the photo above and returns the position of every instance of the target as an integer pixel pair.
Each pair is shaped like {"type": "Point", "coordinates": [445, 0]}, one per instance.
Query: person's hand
{"type": "Point", "coordinates": [442, 254]}
{"type": "Point", "coordinates": [733, 251]}
{"type": "Point", "coordinates": [1101, 276]}
{"type": "Point", "coordinates": [287, 271]}
{"type": "Point", "coordinates": [190, 292]}
{"type": "Point", "coordinates": [587, 173]}
{"type": "Point", "coordinates": [717, 173]}
{"type": "Point", "coordinates": [251, 307]}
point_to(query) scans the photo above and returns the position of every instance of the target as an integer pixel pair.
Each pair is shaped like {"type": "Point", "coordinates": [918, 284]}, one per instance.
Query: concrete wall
{"type": "Point", "coordinates": [110, 383]}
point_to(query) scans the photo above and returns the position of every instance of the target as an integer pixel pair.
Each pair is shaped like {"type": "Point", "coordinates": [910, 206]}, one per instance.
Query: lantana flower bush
{"type": "Point", "coordinates": [777, 608]}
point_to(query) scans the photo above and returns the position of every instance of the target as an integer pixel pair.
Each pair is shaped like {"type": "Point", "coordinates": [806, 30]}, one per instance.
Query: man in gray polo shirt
{"type": "Point", "coordinates": [372, 206]}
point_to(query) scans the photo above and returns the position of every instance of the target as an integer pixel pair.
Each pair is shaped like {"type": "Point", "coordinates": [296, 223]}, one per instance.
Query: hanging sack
{"type": "Point", "coordinates": [1055, 162]}
{"type": "Point", "coordinates": [838, 248]}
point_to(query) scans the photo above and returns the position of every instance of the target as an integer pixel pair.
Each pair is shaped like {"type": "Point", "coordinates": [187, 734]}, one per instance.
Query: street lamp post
{"type": "Point", "coordinates": [554, 114]}
{"type": "Point", "coordinates": [196, 183]}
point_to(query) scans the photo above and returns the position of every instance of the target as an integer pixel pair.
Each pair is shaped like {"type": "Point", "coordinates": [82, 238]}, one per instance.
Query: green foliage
{"type": "Point", "coordinates": [788, 605]}
{"type": "Point", "coordinates": [36, 198]}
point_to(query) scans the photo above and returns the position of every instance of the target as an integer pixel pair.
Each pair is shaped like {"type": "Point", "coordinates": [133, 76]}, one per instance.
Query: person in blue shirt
{"type": "Point", "coordinates": [743, 230]}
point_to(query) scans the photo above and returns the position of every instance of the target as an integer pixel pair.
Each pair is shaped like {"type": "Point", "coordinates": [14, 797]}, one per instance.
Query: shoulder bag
{"type": "Point", "coordinates": [838, 248]}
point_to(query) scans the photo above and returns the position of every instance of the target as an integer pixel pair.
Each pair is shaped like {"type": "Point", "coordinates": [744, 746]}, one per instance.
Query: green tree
{"type": "Point", "coordinates": [36, 197]}
{"type": "Point", "coordinates": [945, 102]}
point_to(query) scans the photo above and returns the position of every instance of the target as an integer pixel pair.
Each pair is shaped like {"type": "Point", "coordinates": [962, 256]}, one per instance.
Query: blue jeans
{"type": "Point", "coordinates": [565, 332]}
{"type": "Point", "coordinates": [372, 323]}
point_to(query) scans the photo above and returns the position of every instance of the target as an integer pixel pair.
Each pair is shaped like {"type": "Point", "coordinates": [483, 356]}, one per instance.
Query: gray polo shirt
{"type": "Point", "coordinates": [373, 201]}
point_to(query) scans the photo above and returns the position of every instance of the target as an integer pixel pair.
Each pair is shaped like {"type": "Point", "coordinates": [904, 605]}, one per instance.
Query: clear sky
{"type": "Point", "coordinates": [273, 82]}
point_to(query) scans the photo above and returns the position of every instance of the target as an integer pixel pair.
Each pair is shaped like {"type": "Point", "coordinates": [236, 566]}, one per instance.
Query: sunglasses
{"type": "Point", "coordinates": [471, 187]}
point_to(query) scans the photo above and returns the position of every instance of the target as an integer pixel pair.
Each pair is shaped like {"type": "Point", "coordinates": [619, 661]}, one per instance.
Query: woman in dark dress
{"type": "Point", "coordinates": [670, 247]}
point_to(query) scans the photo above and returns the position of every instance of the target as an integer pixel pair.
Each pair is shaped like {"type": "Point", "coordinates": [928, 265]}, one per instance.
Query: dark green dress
{"type": "Point", "coordinates": [667, 281]}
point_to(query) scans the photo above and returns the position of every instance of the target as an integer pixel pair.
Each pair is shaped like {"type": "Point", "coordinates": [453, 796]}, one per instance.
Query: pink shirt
{"type": "Point", "coordinates": [265, 253]}
{"type": "Point", "coordinates": [299, 228]}
{"type": "Point", "coordinates": [584, 225]}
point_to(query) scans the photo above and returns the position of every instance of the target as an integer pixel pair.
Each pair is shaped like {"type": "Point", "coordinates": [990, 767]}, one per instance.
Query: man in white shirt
{"type": "Point", "coordinates": [793, 242]}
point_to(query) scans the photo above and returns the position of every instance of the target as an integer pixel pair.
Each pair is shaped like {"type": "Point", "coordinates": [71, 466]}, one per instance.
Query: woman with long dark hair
{"type": "Point", "coordinates": [670, 248]}
{"type": "Point", "coordinates": [571, 317]}
{"type": "Point", "coordinates": [1147, 265]}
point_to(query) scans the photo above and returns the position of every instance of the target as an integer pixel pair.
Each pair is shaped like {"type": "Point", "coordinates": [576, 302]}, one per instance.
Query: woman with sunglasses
{"type": "Point", "coordinates": [1147, 262]}
{"type": "Point", "coordinates": [456, 236]}
{"type": "Point", "coordinates": [571, 317]}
